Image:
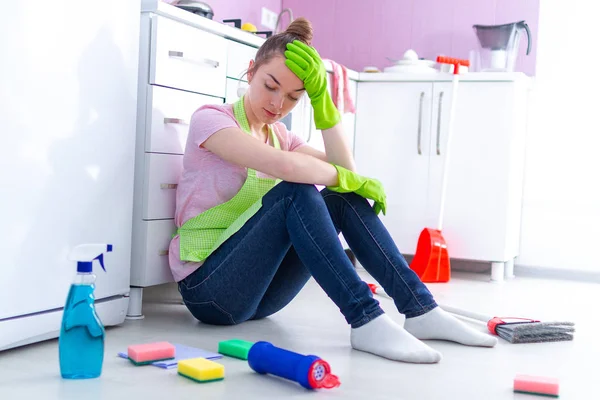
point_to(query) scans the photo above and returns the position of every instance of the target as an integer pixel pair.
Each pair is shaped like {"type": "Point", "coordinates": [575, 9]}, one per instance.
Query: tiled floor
{"type": "Point", "coordinates": [311, 324]}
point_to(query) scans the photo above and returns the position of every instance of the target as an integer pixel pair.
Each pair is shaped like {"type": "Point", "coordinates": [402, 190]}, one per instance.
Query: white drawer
{"type": "Point", "coordinates": [238, 59]}
{"type": "Point", "coordinates": [162, 173]}
{"type": "Point", "coordinates": [187, 58]}
{"type": "Point", "coordinates": [158, 237]}
{"type": "Point", "coordinates": [170, 112]}
{"type": "Point", "coordinates": [232, 88]}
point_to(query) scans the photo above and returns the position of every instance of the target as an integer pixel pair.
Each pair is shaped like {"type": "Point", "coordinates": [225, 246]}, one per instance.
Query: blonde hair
{"type": "Point", "coordinates": [300, 29]}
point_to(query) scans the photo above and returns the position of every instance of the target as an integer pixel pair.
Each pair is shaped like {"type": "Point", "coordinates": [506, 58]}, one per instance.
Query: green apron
{"type": "Point", "coordinates": [203, 234]}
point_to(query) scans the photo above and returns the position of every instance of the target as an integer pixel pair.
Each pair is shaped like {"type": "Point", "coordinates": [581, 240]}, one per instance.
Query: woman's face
{"type": "Point", "coordinates": [274, 90]}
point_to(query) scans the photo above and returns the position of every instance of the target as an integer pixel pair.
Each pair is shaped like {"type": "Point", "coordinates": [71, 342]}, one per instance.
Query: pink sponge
{"type": "Point", "coordinates": [536, 385]}
{"type": "Point", "coordinates": [141, 354]}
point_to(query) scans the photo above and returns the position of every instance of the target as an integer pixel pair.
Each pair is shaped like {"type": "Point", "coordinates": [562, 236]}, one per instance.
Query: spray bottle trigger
{"type": "Point", "coordinates": [109, 248]}
{"type": "Point", "coordinates": [101, 259]}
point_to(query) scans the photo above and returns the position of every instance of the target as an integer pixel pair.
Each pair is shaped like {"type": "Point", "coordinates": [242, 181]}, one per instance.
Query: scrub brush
{"type": "Point", "coordinates": [521, 330]}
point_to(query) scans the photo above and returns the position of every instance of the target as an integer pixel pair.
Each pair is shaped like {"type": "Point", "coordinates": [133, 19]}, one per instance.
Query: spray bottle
{"type": "Point", "coordinates": [81, 340]}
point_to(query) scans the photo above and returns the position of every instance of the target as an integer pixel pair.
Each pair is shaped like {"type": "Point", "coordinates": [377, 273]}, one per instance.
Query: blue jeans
{"type": "Point", "coordinates": [294, 236]}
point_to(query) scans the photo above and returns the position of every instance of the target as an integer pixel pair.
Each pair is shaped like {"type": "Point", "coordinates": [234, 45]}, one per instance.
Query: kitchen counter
{"type": "Point", "coordinates": [227, 31]}
{"type": "Point", "coordinates": [442, 77]}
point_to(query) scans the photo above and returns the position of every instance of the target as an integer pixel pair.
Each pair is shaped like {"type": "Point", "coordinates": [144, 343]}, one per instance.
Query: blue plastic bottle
{"type": "Point", "coordinates": [81, 340]}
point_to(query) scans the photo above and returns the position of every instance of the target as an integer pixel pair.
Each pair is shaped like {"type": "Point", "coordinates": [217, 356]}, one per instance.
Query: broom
{"type": "Point", "coordinates": [513, 330]}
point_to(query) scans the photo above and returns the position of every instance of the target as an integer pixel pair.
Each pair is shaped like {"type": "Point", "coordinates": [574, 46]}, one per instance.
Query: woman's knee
{"type": "Point", "coordinates": [298, 187]}
{"type": "Point", "coordinates": [212, 313]}
{"type": "Point", "coordinates": [303, 191]}
{"type": "Point", "coordinates": [350, 197]}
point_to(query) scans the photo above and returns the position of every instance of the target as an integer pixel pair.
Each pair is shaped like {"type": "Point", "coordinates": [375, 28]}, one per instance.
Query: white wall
{"type": "Point", "coordinates": [561, 211]}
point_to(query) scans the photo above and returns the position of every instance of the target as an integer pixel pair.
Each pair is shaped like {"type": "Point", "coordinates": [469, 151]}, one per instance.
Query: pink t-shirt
{"type": "Point", "coordinates": [207, 180]}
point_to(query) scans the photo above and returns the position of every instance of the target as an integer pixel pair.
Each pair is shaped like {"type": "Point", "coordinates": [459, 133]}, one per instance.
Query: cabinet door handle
{"type": "Point", "coordinates": [168, 186]}
{"type": "Point", "coordinates": [420, 126]}
{"type": "Point", "coordinates": [180, 121]}
{"type": "Point", "coordinates": [439, 124]}
{"type": "Point", "coordinates": [179, 54]}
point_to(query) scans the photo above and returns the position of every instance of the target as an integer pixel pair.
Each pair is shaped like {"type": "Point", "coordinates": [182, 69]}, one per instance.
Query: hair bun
{"type": "Point", "coordinates": [301, 29]}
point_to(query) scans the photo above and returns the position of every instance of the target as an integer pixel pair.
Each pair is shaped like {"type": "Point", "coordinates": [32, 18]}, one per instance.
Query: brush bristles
{"type": "Point", "coordinates": [536, 332]}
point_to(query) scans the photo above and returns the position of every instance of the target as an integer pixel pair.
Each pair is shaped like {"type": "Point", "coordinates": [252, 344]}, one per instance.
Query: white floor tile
{"type": "Point", "coordinates": [311, 324]}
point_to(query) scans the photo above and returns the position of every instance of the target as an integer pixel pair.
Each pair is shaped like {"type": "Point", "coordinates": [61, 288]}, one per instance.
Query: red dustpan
{"type": "Point", "coordinates": [431, 262]}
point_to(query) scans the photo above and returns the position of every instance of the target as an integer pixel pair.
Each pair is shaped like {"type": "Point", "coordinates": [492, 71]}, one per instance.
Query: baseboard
{"type": "Point", "coordinates": [519, 270]}
{"type": "Point", "coordinates": [557, 273]}
{"type": "Point", "coordinates": [165, 293]}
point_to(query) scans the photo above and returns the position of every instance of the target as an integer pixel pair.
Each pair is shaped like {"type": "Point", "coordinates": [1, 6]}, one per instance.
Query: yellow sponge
{"type": "Point", "coordinates": [201, 370]}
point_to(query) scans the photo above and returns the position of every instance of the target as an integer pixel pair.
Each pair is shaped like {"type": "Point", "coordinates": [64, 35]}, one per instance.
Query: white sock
{"type": "Point", "coordinates": [438, 324]}
{"type": "Point", "coordinates": [385, 338]}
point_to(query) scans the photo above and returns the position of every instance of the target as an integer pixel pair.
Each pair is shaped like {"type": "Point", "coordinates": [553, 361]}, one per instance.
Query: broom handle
{"type": "Point", "coordinates": [466, 313]}
{"type": "Point", "coordinates": [452, 310]}
{"type": "Point", "coordinates": [375, 289]}
{"type": "Point", "coordinates": [448, 147]}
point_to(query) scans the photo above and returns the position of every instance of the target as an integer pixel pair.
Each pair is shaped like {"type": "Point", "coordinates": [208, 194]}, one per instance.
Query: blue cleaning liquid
{"type": "Point", "coordinates": [81, 341]}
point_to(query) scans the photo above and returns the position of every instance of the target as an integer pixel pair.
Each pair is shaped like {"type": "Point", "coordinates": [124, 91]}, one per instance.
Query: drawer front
{"type": "Point", "coordinates": [170, 115]}
{"type": "Point", "coordinates": [187, 58]}
{"type": "Point", "coordinates": [158, 238]}
{"type": "Point", "coordinates": [160, 184]}
{"type": "Point", "coordinates": [238, 59]}
{"type": "Point", "coordinates": [232, 90]}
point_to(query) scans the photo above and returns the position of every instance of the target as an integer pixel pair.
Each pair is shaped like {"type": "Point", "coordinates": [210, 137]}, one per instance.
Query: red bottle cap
{"type": "Point", "coordinates": [320, 376]}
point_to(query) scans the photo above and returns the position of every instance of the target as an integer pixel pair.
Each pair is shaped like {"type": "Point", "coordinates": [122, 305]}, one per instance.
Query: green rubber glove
{"type": "Point", "coordinates": [305, 62]}
{"type": "Point", "coordinates": [368, 188]}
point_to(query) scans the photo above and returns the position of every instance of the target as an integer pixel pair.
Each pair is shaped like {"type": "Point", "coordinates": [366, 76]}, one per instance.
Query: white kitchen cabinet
{"type": "Point", "coordinates": [183, 65]}
{"type": "Point", "coordinates": [315, 138]}
{"type": "Point", "coordinates": [238, 59]}
{"type": "Point", "coordinates": [186, 61]}
{"type": "Point", "coordinates": [485, 177]}
{"type": "Point", "coordinates": [231, 95]}
{"type": "Point", "coordinates": [349, 119]}
{"type": "Point", "coordinates": [300, 119]}
{"type": "Point", "coordinates": [184, 57]}
{"type": "Point", "coordinates": [169, 113]}
{"type": "Point", "coordinates": [392, 144]}
{"type": "Point", "coordinates": [153, 238]}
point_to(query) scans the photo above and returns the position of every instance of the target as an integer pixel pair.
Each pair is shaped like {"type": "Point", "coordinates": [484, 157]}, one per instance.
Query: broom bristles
{"type": "Point", "coordinates": [536, 332]}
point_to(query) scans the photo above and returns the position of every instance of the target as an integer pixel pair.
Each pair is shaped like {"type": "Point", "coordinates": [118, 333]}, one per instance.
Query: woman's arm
{"type": "Point", "coordinates": [337, 150]}
{"type": "Point", "coordinates": [235, 146]}
{"type": "Point", "coordinates": [306, 63]}
{"type": "Point", "coordinates": [336, 147]}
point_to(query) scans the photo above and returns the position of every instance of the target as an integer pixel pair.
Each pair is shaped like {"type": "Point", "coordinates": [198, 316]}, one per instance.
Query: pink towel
{"type": "Point", "coordinates": [340, 92]}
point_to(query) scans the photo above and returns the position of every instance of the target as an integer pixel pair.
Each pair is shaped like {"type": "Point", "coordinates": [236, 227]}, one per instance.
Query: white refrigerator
{"type": "Point", "coordinates": [68, 85]}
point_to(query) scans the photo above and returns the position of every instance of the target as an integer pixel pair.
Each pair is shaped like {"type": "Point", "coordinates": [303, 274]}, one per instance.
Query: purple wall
{"type": "Point", "coordinates": [357, 35]}
{"type": "Point", "coordinates": [247, 10]}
